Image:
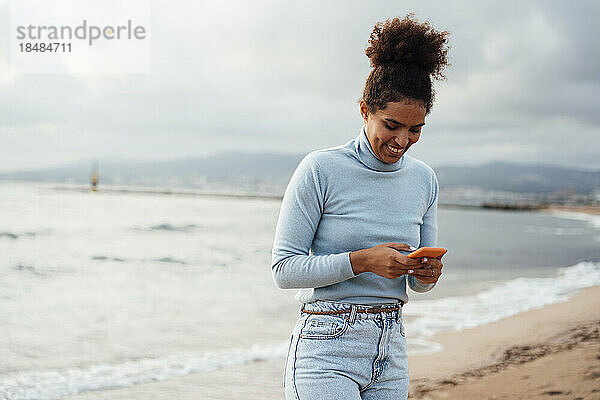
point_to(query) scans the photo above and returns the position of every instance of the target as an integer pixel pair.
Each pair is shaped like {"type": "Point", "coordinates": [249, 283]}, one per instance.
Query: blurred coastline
{"type": "Point", "coordinates": [578, 204]}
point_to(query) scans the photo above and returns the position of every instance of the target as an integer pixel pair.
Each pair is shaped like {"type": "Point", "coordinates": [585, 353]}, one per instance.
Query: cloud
{"type": "Point", "coordinates": [268, 75]}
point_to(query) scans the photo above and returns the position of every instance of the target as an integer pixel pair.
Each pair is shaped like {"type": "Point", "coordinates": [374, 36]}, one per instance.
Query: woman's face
{"type": "Point", "coordinates": [397, 126]}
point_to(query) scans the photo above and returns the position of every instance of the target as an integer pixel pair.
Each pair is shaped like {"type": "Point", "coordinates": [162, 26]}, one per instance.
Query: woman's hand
{"type": "Point", "coordinates": [385, 260]}
{"type": "Point", "coordinates": [434, 270]}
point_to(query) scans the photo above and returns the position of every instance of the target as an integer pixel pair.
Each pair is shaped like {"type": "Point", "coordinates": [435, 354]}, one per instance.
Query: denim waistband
{"type": "Point", "coordinates": [357, 310]}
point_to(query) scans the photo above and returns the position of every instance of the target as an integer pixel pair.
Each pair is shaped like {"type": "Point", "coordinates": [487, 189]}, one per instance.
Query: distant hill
{"type": "Point", "coordinates": [221, 165]}
{"type": "Point", "coordinates": [271, 172]}
{"type": "Point", "coordinates": [521, 178]}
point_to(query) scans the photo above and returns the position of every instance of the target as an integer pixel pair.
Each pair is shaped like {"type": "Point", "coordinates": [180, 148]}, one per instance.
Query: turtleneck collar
{"type": "Point", "coordinates": [368, 157]}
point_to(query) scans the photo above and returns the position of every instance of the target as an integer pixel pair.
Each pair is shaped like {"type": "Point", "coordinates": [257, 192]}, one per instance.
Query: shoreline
{"type": "Point", "coordinates": [475, 363]}
{"type": "Point", "coordinates": [591, 209]}
{"type": "Point", "coordinates": [585, 209]}
{"type": "Point", "coordinates": [480, 362]}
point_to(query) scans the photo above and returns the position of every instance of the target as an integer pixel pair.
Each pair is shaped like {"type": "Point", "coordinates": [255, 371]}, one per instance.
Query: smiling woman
{"type": "Point", "coordinates": [347, 215]}
{"type": "Point", "coordinates": [398, 93]}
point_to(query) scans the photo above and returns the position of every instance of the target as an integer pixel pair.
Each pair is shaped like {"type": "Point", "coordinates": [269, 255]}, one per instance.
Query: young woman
{"type": "Point", "coordinates": [349, 215]}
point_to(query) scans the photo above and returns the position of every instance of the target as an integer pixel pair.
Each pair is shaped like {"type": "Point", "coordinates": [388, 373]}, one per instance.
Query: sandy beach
{"type": "Point", "coordinates": [586, 209]}
{"type": "Point", "coordinates": [551, 352]}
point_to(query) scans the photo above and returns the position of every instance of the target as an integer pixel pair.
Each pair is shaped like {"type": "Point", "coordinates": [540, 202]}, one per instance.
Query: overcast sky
{"type": "Point", "coordinates": [286, 76]}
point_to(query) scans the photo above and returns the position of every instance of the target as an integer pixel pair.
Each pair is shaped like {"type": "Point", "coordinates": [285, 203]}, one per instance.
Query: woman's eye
{"type": "Point", "coordinates": [394, 128]}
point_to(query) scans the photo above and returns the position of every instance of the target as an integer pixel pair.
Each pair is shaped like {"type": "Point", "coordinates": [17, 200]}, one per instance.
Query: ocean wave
{"type": "Point", "coordinates": [28, 268]}
{"type": "Point", "coordinates": [170, 260]}
{"type": "Point", "coordinates": [13, 235]}
{"type": "Point", "coordinates": [107, 258]}
{"type": "Point", "coordinates": [55, 384]}
{"type": "Point", "coordinates": [594, 220]}
{"type": "Point", "coordinates": [170, 227]}
{"type": "Point", "coordinates": [500, 301]}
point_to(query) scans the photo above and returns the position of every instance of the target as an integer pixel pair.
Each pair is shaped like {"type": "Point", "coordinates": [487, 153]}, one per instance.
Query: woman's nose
{"type": "Point", "coordinates": [402, 140]}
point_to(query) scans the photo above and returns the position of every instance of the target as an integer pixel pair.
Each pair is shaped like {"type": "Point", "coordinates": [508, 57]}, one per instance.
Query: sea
{"type": "Point", "coordinates": [103, 290]}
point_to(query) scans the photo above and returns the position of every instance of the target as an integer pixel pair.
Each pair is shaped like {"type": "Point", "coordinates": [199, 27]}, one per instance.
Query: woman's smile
{"type": "Point", "coordinates": [394, 151]}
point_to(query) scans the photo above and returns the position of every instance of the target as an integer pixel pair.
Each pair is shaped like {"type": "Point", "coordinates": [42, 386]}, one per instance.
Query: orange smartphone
{"type": "Point", "coordinates": [432, 252]}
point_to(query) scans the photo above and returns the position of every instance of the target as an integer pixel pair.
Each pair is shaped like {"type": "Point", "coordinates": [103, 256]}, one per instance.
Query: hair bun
{"type": "Point", "coordinates": [406, 43]}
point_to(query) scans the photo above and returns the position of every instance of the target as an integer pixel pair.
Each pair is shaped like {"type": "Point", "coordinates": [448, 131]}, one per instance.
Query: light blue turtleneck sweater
{"type": "Point", "coordinates": [343, 199]}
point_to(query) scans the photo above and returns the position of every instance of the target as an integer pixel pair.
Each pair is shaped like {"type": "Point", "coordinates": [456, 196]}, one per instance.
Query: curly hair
{"type": "Point", "coordinates": [404, 55]}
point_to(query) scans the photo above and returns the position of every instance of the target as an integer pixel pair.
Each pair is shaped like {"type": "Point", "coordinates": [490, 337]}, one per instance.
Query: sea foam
{"type": "Point", "coordinates": [499, 301]}
{"type": "Point", "coordinates": [55, 384]}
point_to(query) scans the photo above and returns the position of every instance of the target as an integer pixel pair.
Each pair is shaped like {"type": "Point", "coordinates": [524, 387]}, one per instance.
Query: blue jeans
{"type": "Point", "coordinates": [350, 356]}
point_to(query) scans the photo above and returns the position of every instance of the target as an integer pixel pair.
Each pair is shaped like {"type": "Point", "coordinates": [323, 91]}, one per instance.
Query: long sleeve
{"type": "Point", "coordinates": [301, 209]}
{"type": "Point", "coordinates": [429, 232]}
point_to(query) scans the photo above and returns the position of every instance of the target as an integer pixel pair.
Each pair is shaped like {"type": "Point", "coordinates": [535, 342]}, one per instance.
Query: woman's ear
{"type": "Point", "coordinates": [363, 110]}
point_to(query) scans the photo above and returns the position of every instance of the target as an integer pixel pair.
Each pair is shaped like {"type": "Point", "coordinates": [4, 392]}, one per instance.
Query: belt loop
{"type": "Point", "coordinates": [352, 317]}
{"type": "Point", "coordinates": [399, 315]}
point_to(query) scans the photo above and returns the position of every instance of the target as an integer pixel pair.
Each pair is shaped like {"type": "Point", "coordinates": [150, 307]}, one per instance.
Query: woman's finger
{"type": "Point", "coordinates": [412, 262]}
{"type": "Point", "coordinates": [420, 271]}
{"type": "Point", "coordinates": [400, 246]}
{"type": "Point", "coordinates": [433, 262]}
